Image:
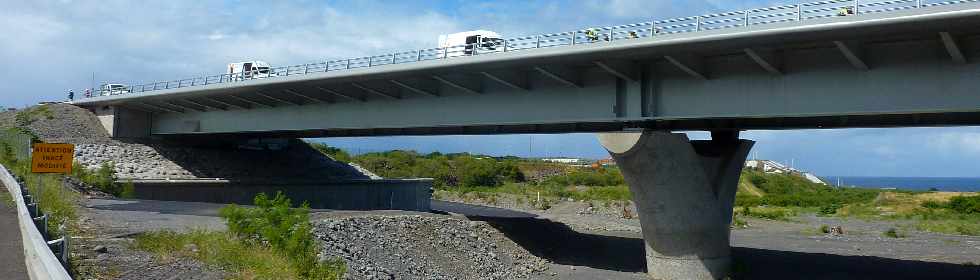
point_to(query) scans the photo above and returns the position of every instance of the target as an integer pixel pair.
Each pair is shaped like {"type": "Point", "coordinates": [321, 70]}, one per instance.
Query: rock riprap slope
{"type": "Point", "coordinates": [423, 247]}
{"type": "Point", "coordinates": [149, 159]}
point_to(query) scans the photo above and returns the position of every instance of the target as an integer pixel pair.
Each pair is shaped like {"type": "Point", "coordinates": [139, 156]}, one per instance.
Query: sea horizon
{"type": "Point", "coordinates": [951, 184]}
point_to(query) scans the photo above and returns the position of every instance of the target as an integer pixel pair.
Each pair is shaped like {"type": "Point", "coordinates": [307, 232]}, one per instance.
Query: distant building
{"type": "Point", "coordinates": [565, 160]}
{"type": "Point", "coordinates": [769, 166]}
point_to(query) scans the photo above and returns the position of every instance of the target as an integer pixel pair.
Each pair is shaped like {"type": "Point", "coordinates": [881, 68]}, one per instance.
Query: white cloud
{"type": "Point", "coordinates": [957, 142]}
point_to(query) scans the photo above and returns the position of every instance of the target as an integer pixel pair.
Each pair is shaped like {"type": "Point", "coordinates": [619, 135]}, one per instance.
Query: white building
{"type": "Point", "coordinates": [565, 160]}
{"type": "Point", "coordinates": [769, 166]}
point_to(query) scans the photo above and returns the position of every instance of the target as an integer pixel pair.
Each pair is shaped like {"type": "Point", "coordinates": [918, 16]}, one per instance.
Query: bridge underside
{"type": "Point", "coordinates": [852, 72]}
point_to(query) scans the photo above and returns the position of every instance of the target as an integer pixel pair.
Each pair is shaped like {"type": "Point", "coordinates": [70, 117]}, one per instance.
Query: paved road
{"type": "Point", "coordinates": [11, 247]}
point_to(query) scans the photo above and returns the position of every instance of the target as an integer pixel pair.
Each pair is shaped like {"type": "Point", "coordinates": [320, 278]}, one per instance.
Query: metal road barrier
{"type": "Point", "coordinates": [754, 17]}
{"type": "Point", "coordinates": [44, 259]}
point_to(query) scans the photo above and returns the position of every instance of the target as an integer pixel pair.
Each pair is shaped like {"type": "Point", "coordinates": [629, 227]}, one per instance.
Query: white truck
{"type": "Point", "coordinates": [112, 89]}
{"type": "Point", "coordinates": [470, 42]}
{"type": "Point", "coordinates": [254, 69]}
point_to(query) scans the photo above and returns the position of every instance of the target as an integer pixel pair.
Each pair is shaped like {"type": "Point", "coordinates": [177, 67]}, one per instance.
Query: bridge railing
{"type": "Point", "coordinates": [740, 19]}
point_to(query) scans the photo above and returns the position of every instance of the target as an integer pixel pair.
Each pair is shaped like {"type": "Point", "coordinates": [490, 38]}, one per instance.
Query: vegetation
{"type": "Point", "coordinates": [895, 233]}
{"type": "Point", "coordinates": [795, 191]}
{"type": "Point", "coordinates": [760, 195]}
{"type": "Point", "coordinates": [54, 199]}
{"type": "Point", "coordinates": [28, 116]}
{"type": "Point", "coordinates": [221, 249]}
{"type": "Point", "coordinates": [103, 178]}
{"type": "Point", "coordinates": [268, 241]}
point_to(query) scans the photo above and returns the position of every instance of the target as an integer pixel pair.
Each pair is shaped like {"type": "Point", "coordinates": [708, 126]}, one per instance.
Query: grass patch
{"type": "Point", "coordinates": [30, 115]}
{"type": "Point", "coordinates": [768, 213]}
{"type": "Point", "coordinates": [243, 260]}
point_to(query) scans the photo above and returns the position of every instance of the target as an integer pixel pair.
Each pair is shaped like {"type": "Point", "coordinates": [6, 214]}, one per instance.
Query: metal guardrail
{"type": "Point", "coordinates": [44, 259]}
{"type": "Point", "coordinates": [754, 17]}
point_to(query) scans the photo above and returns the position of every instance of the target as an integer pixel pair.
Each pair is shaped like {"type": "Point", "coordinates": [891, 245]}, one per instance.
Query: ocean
{"type": "Point", "coordinates": [910, 183]}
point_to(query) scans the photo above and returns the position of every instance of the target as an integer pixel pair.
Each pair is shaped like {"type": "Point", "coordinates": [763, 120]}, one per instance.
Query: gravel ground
{"type": "Point", "coordinates": [103, 250]}
{"type": "Point", "coordinates": [613, 247]}
{"type": "Point", "coordinates": [423, 247]}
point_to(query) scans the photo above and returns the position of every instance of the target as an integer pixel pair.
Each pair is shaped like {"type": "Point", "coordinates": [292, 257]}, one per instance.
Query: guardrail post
{"type": "Point", "coordinates": [746, 23]}
{"type": "Point", "coordinates": [537, 45]}
{"type": "Point", "coordinates": [393, 57]}
{"type": "Point", "coordinates": [611, 34]}
{"type": "Point", "coordinates": [698, 26]}
{"type": "Point", "coordinates": [370, 61]}
{"type": "Point", "coordinates": [505, 45]}
{"type": "Point", "coordinates": [307, 71]}
{"type": "Point", "coordinates": [918, 3]}
{"type": "Point", "coordinates": [445, 52]}
{"type": "Point", "coordinates": [419, 58]}
{"type": "Point", "coordinates": [574, 34]}
{"type": "Point", "coordinates": [857, 5]}
{"type": "Point", "coordinates": [42, 225]}
{"type": "Point", "coordinates": [799, 12]}
{"type": "Point", "coordinates": [348, 63]}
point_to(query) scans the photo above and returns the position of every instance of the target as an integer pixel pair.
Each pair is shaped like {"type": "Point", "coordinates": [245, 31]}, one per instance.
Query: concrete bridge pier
{"type": "Point", "coordinates": [683, 191]}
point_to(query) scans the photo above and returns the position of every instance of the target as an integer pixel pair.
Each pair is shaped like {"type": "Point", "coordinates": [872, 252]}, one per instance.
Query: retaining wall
{"type": "Point", "coordinates": [410, 195]}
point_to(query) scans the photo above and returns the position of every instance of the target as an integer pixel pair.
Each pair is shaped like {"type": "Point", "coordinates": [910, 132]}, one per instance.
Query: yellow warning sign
{"type": "Point", "coordinates": [52, 158]}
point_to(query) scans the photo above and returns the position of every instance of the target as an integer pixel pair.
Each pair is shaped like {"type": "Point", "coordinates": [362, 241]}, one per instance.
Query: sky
{"type": "Point", "coordinates": [50, 47]}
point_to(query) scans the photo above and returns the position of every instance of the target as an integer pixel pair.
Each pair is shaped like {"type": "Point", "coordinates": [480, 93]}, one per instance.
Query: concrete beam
{"type": "Point", "coordinates": [374, 91]}
{"type": "Point", "coordinates": [191, 101]}
{"type": "Point", "coordinates": [569, 78]}
{"type": "Point", "coordinates": [952, 48]}
{"type": "Point", "coordinates": [684, 191]}
{"type": "Point", "coordinates": [518, 81]}
{"type": "Point", "coordinates": [769, 62]}
{"type": "Point", "coordinates": [307, 97]}
{"type": "Point", "coordinates": [853, 52]}
{"type": "Point", "coordinates": [691, 65]}
{"type": "Point", "coordinates": [249, 101]}
{"type": "Point", "coordinates": [182, 106]}
{"type": "Point", "coordinates": [276, 99]}
{"type": "Point", "coordinates": [342, 95]}
{"type": "Point", "coordinates": [158, 107]}
{"type": "Point", "coordinates": [229, 104]}
{"type": "Point", "coordinates": [414, 89]}
{"type": "Point", "coordinates": [140, 107]}
{"type": "Point", "coordinates": [625, 70]}
{"type": "Point", "coordinates": [457, 85]}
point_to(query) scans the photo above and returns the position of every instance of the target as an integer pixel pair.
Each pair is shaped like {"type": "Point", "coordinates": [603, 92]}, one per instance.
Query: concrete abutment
{"type": "Point", "coordinates": [684, 191]}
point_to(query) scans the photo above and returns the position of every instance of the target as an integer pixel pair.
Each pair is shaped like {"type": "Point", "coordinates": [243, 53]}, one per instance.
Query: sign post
{"type": "Point", "coordinates": [51, 158]}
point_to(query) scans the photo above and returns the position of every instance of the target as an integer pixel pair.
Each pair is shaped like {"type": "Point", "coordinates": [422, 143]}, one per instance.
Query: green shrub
{"type": "Point", "coordinates": [829, 209]}
{"type": "Point", "coordinates": [824, 229]}
{"type": "Point", "coordinates": [285, 229]}
{"type": "Point", "coordinates": [965, 204]}
{"type": "Point", "coordinates": [894, 233]}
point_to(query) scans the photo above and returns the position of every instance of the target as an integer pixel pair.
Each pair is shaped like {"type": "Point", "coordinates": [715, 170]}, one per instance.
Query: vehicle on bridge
{"type": "Point", "coordinates": [113, 89]}
{"type": "Point", "coordinates": [255, 69]}
{"type": "Point", "coordinates": [470, 42]}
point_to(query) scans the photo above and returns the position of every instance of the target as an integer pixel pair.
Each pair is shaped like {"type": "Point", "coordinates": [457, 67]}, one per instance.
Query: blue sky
{"type": "Point", "coordinates": [49, 47]}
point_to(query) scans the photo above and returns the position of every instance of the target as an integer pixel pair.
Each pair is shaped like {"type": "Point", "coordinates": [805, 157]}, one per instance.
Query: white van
{"type": "Point", "coordinates": [255, 69]}
{"type": "Point", "coordinates": [470, 42]}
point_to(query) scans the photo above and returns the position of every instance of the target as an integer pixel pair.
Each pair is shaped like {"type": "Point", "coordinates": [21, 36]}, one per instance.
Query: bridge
{"type": "Point", "coordinates": [828, 64]}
